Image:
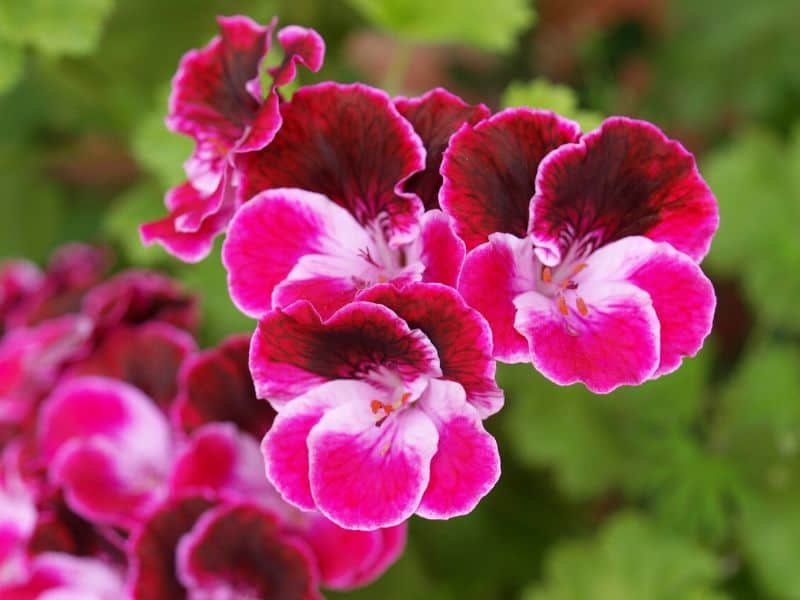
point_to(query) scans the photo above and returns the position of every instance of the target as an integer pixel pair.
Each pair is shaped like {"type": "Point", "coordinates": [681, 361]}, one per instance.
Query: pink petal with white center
{"type": "Point", "coordinates": [616, 341]}
{"type": "Point", "coordinates": [220, 459]}
{"type": "Point", "coordinates": [624, 179]}
{"type": "Point", "coordinates": [462, 337]}
{"type": "Point", "coordinates": [293, 350]}
{"type": "Point", "coordinates": [57, 576]}
{"type": "Point", "coordinates": [349, 143]}
{"type": "Point", "coordinates": [237, 551]}
{"type": "Point", "coordinates": [436, 116]}
{"type": "Point", "coordinates": [191, 246]}
{"type": "Point", "coordinates": [494, 274]}
{"type": "Point", "coordinates": [285, 446]}
{"type": "Point", "coordinates": [300, 45]}
{"type": "Point", "coordinates": [272, 232]}
{"type": "Point", "coordinates": [467, 463]}
{"type": "Point", "coordinates": [366, 477]}
{"type": "Point", "coordinates": [349, 559]}
{"type": "Point", "coordinates": [490, 170]}
{"type": "Point", "coordinates": [439, 249]}
{"type": "Point", "coordinates": [682, 295]}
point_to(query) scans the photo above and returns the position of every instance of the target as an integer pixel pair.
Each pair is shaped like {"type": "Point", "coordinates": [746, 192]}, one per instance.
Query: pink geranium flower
{"type": "Point", "coordinates": [379, 406]}
{"type": "Point", "coordinates": [326, 213]}
{"type": "Point", "coordinates": [217, 100]}
{"type": "Point", "coordinates": [601, 285]}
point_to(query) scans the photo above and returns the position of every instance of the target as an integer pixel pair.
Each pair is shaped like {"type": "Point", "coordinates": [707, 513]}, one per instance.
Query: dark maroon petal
{"type": "Point", "coordinates": [300, 45]}
{"type": "Point", "coordinates": [349, 143]}
{"type": "Point", "coordinates": [148, 356]}
{"type": "Point", "coordinates": [460, 334]}
{"type": "Point", "coordinates": [626, 178]}
{"type": "Point", "coordinates": [436, 116]}
{"type": "Point", "coordinates": [134, 297]}
{"type": "Point", "coordinates": [490, 170]}
{"type": "Point", "coordinates": [152, 574]}
{"type": "Point", "coordinates": [239, 549]}
{"type": "Point", "coordinates": [215, 385]}
{"type": "Point", "coordinates": [294, 350]}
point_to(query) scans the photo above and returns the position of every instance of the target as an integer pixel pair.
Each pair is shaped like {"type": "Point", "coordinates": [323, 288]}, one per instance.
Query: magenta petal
{"type": "Point", "coordinates": [152, 575]}
{"type": "Point", "coordinates": [349, 143]}
{"type": "Point", "coordinates": [682, 295]}
{"type": "Point", "coordinates": [300, 45]}
{"type": "Point", "coordinates": [494, 274]}
{"type": "Point", "coordinates": [59, 576]}
{"type": "Point", "coordinates": [294, 350]}
{"type": "Point", "coordinates": [272, 232]}
{"type": "Point", "coordinates": [366, 477]}
{"type": "Point", "coordinates": [615, 343]}
{"type": "Point", "coordinates": [285, 445]}
{"type": "Point", "coordinates": [436, 116]}
{"type": "Point", "coordinates": [466, 464]}
{"type": "Point", "coordinates": [489, 170]}
{"type": "Point", "coordinates": [327, 282]}
{"type": "Point", "coordinates": [460, 335]}
{"type": "Point", "coordinates": [440, 249]}
{"type": "Point", "coordinates": [215, 385]}
{"type": "Point", "coordinates": [626, 178]}
{"type": "Point", "coordinates": [237, 551]}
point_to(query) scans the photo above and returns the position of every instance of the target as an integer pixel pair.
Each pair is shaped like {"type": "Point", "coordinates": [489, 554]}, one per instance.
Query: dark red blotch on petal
{"type": "Point", "coordinates": [435, 117]}
{"type": "Point", "coordinates": [347, 142]}
{"type": "Point", "coordinates": [215, 385]}
{"type": "Point", "coordinates": [490, 171]}
{"type": "Point", "coordinates": [152, 549]}
{"type": "Point", "coordinates": [627, 178]}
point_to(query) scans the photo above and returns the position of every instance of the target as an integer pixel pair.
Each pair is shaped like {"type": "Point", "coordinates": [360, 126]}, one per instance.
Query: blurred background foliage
{"type": "Point", "coordinates": [685, 488]}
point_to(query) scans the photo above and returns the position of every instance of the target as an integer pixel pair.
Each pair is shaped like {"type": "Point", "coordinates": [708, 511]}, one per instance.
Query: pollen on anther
{"type": "Point", "coordinates": [562, 306]}
{"type": "Point", "coordinates": [547, 274]}
{"type": "Point", "coordinates": [579, 267]}
{"type": "Point", "coordinates": [582, 308]}
{"type": "Point", "coordinates": [405, 397]}
{"type": "Point", "coordinates": [376, 405]}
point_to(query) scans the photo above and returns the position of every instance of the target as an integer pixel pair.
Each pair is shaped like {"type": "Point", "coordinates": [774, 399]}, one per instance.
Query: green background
{"type": "Point", "coordinates": [686, 487]}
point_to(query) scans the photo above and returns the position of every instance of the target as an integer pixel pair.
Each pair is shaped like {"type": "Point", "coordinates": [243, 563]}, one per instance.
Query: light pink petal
{"type": "Point", "coordinates": [625, 178]}
{"type": "Point", "coordinates": [466, 464]}
{"type": "Point", "coordinates": [349, 143]}
{"type": "Point", "coordinates": [285, 446]}
{"type": "Point", "coordinates": [682, 295]}
{"type": "Point", "coordinates": [300, 45]}
{"type": "Point", "coordinates": [366, 477]}
{"type": "Point", "coordinates": [272, 232]}
{"type": "Point", "coordinates": [489, 170]}
{"type": "Point", "coordinates": [57, 576]}
{"type": "Point", "coordinates": [237, 551]}
{"type": "Point", "coordinates": [615, 343]}
{"type": "Point", "coordinates": [494, 274]}
{"type": "Point", "coordinates": [294, 350]}
{"type": "Point", "coordinates": [17, 522]}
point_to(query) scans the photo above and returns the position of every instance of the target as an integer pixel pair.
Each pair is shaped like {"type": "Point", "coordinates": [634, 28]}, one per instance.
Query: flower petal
{"type": "Point", "coordinates": [682, 295]}
{"type": "Point", "coordinates": [439, 249]}
{"type": "Point", "coordinates": [300, 45]}
{"type": "Point", "coordinates": [152, 574]}
{"type": "Point", "coordinates": [366, 477]}
{"type": "Point", "coordinates": [285, 445]}
{"type": "Point", "coordinates": [436, 116]}
{"type": "Point", "coordinates": [57, 576]}
{"type": "Point", "coordinates": [349, 143]}
{"type": "Point", "coordinates": [215, 385]}
{"type": "Point", "coordinates": [272, 232]}
{"type": "Point", "coordinates": [466, 464]}
{"type": "Point", "coordinates": [494, 274]}
{"type": "Point", "coordinates": [615, 343]}
{"type": "Point", "coordinates": [489, 170]}
{"type": "Point", "coordinates": [460, 335]}
{"type": "Point", "coordinates": [625, 178]}
{"type": "Point", "coordinates": [237, 551]}
{"type": "Point", "coordinates": [294, 350]}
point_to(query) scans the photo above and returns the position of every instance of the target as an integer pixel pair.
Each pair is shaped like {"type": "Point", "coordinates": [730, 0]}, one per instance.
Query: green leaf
{"type": "Point", "coordinates": [55, 26]}
{"type": "Point", "coordinates": [540, 93]}
{"type": "Point", "coordinates": [630, 559]}
{"type": "Point", "coordinates": [159, 151]}
{"type": "Point", "coordinates": [489, 25]}
{"type": "Point", "coordinates": [11, 61]}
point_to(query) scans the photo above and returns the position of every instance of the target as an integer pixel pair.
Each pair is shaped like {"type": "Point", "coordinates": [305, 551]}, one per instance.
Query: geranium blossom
{"type": "Point", "coordinates": [217, 100]}
{"type": "Point", "coordinates": [330, 217]}
{"type": "Point", "coordinates": [378, 420]}
{"type": "Point", "coordinates": [604, 288]}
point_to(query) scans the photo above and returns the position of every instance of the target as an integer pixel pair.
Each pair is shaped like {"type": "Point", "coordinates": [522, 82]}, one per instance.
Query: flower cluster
{"type": "Point", "coordinates": [129, 460]}
{"type": "Point", "coordinates": [392, 249]}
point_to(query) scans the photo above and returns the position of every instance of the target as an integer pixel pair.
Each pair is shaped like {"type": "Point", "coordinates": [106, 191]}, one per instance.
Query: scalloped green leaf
{"type": "Point", "coordinates": [488, 25]}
